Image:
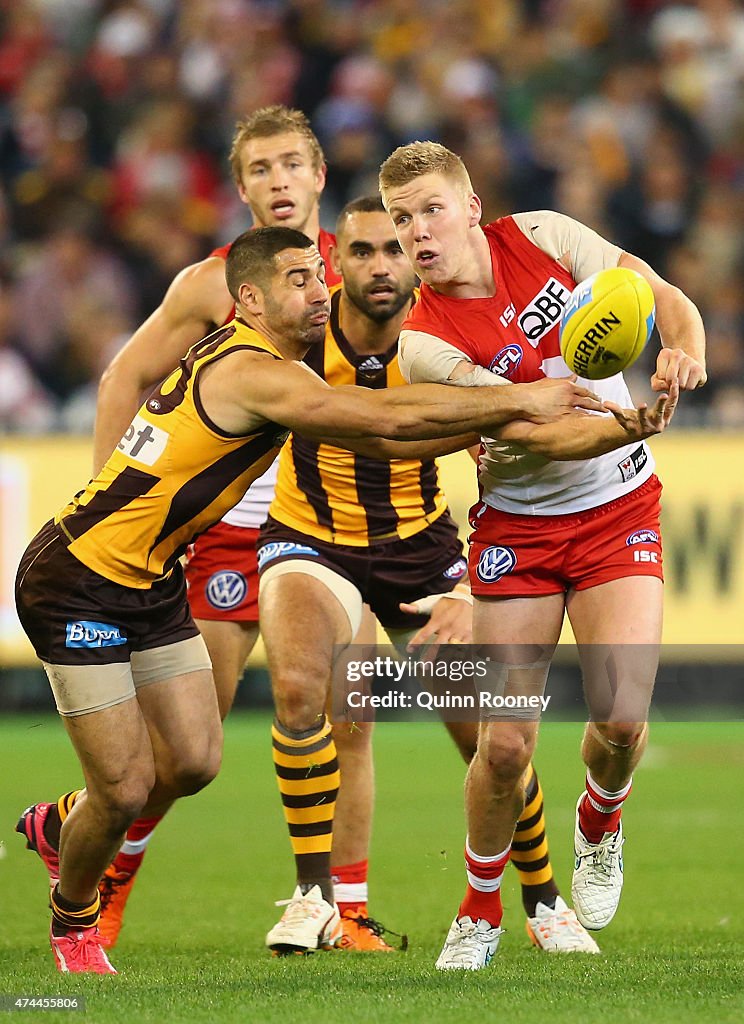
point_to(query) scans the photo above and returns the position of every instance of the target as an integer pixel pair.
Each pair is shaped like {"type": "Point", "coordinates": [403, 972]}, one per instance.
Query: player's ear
{"type": "Point", "coordinates": [251, 298]}
{"type": "Point", "coordinates": [475, 210]}
{"type": "Point", "coordinates": [320, 178]}
{"type": "Point", "coordinates": [334, 259]}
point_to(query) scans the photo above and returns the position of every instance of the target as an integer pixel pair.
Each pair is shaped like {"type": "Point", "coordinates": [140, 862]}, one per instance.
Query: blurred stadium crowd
{"type": "Point", "coordinates": [116, 117]}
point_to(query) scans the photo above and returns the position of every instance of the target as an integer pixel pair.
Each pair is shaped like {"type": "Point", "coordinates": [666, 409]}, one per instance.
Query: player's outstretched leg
{"type": "Point", "coordinates": [551, 925]}
{"type": "Point", "coordinates": [494, 798]}
{"type": "Point", "coordinates": [73, 935]}
{"type": "Point", "coordinates": [229, 643]}
{"type": "Point", "coordinates": [598, 836]}
{"type": "Point", "coordinates": [308, 776]}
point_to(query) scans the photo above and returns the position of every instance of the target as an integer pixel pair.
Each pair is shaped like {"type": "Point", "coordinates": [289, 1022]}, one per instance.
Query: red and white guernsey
{"type": "Point", "coordinates": [514, 333]}
{"type": "Point", "coordinates": [253, 508]}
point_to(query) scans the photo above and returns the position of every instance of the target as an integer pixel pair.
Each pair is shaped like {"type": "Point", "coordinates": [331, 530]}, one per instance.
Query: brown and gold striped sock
{"type": "Point", "coordinates": [308, 777]}
{"type": "Point", "coordinates": [66, 802]}
{"type": "Point", "coordinates": [529, 852]}
{"type": "Point", "coordinates": [58, 815]}
{"type": "Point", "coordinates": [66, 914]}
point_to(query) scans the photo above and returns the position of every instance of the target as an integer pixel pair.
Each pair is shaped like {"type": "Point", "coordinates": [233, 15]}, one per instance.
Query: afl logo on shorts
{"type": "Point", "coordinates": [494, 563]}
{"type": "Point", "coordinates": [643, 537]}
{"type": "Point", "coordinates": [456, 570]}
{"type": "Point", "coordinates": [226, 589]}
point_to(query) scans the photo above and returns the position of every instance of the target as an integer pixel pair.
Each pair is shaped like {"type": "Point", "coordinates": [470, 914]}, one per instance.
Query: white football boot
{"type": "Point", "coordinates": [598, 876]}
{"type": "Point", "coordinates": [308, 923]}
{"type": "Point", "coordinates": [469, 945]}
{"type": "Point", "coordinates": [558, 930]}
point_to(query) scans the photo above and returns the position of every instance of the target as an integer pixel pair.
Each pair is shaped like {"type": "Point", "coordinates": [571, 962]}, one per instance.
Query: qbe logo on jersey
{"type": "Point", "coordinates": [226, 589]}
{"type": "Point", "coordinates": [544, 311]}
{"type": "Point", "coordinates": [494, 563]}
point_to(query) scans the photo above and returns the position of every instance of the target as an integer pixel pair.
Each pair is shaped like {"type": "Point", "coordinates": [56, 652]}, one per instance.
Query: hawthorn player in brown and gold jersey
{"type": "Point", "coordinates": [129, 671]}
{"type": "Point", "coordinates": [172, 475]}
{"type": "Point", "coordinates": [337, 496]}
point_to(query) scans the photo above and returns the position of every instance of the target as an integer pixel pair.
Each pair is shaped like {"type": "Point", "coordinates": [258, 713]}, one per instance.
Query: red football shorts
{"type": "Point", "coordinates": [222, 574]}
{"type": "Point", "coordinates": [530, 556]}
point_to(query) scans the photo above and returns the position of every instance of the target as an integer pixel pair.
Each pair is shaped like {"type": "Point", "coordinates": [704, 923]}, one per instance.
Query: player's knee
{"type": "Point", "coordinates": [505, 752]}
{"type": "Point", "coordinates": [299, 699]}
{"type": "Point", "coordinates": [118, 804]}
{"type": "Point", "coordinates": [196, 768]}
{"type": "Point", "coordinates": [620, 737]}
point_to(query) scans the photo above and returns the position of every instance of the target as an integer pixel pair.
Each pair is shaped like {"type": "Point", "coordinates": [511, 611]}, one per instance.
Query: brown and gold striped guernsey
{"type": "Point", "coordinates": [333, 495]}
{"type": "Point", "coordinates": [173, 474]}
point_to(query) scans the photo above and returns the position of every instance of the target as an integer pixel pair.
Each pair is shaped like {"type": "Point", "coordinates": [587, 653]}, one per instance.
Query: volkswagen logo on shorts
{"type": "Point", "coordinates": [226, 589]}
{"type": "Point", "coordinates": [494, 563]}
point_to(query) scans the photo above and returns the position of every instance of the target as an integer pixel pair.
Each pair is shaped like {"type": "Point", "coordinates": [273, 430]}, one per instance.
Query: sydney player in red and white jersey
{"type": "Point", "coordinates": [550, 538]}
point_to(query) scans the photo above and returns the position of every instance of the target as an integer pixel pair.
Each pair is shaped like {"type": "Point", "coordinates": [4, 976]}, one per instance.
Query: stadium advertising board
{"type": "Point", "coordinates": [703, 525]}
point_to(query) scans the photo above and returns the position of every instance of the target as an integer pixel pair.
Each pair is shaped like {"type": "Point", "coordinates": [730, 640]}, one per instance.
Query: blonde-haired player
{"type": "Point", "coordinates": [550, 538]}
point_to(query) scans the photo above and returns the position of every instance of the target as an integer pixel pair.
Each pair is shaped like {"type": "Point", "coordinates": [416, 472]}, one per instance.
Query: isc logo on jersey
{"type": "Point", "coordinates": [226, 589]}
{"type": "Point", "coordinates": [494, 563]}
{"type": "Point", "coordinates": [277, 549]}
{"type": "Point", "coordinates": [544, 311]}
{"type": "Point", "coordinates": [507, 360]}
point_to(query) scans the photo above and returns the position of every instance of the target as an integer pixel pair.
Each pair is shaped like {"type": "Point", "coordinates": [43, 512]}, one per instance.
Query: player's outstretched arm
{"type": "Point", "coordinates": [248, 384]}
{"type": "Point", "coordinates": [383, 449]}
{"type": "Point", "coordinates": [682, 357]}
{"type": "Point", "coordinates": [197, 298]}
{"type": "Point", "coordinates": [569, 440]}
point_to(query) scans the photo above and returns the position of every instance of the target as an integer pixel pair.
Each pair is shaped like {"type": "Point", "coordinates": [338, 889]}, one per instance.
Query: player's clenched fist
{"type": "Point", "coordinates": [673, 364]}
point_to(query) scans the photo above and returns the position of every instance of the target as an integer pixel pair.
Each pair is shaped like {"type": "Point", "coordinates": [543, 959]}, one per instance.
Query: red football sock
{"type": "Point", "coordinates": [350, 886]}
{"type": "Point", "coordinates": [132, 851]}
{"type": "Point", "coordinates": [483, 895]}
{"type": "Point", "coordinates": [600, 809]}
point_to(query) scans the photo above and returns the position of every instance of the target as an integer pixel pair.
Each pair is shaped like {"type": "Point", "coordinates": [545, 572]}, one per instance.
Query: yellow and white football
{"type": "Point", "coordinates": [606, 323]}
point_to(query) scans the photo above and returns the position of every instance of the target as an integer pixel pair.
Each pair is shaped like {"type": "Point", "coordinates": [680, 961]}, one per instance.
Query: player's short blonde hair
{"type": "Point", "coordinates": [418, 158]}
{"type": "Point", "coordinates": [267, 122]}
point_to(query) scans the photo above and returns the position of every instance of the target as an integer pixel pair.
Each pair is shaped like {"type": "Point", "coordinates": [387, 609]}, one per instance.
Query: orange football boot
{"type": "Point", "coordinates": [362, 934]}
{"type": "Point", "coordinates": [114, 887]}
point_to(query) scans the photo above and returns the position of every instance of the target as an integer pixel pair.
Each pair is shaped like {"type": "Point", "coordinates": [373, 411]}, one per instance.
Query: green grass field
{"type": "Point", "coordinates": [192, 948]}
